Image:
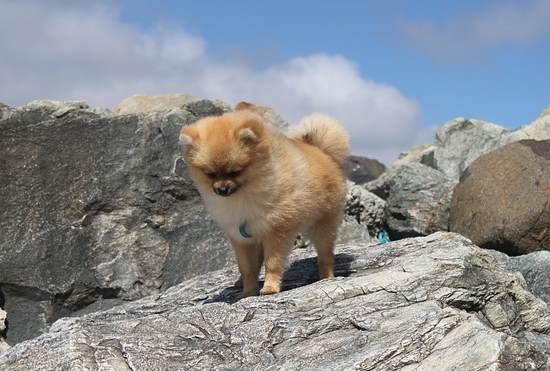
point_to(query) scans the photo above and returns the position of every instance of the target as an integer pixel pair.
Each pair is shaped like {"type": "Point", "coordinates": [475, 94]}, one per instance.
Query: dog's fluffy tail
{"type": "Point", "coordinates": [325, 133]}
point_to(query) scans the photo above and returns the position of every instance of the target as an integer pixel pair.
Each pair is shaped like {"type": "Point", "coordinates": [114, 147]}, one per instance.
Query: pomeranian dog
{"type": "Point", "coordinates": [263, 187]}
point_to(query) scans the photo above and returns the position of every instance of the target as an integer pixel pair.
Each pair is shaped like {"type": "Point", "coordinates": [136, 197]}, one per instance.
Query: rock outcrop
{"type": "Point", "coordinates": [94, 208]}
{"type": "Point", "coordinates": [99, 220]}
{"type": "Point", "coordinates": [503, 199]}
{"type": "Point", "coordinates": [431, 303]}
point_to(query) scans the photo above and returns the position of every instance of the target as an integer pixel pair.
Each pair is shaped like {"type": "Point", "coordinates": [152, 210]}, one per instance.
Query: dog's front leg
{"type": "Point", "coordinates": [249, 259]}
{"type": "Point", "coordinates": [276, 249]}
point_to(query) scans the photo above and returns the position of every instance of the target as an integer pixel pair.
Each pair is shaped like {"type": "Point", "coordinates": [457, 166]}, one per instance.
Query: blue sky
{"type": "Point", "coordinates": [390, 70]}
{"type": "Point", "coordinates": [507, 83]}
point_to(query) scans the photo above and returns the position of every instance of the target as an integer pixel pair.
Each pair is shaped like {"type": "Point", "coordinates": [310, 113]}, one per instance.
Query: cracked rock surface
{"type": "Point", "coordinates": [427, 303]}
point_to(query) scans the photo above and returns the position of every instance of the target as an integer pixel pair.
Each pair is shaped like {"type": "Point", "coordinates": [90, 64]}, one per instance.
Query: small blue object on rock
{"type": "Point", "coordinates": [383, 237]}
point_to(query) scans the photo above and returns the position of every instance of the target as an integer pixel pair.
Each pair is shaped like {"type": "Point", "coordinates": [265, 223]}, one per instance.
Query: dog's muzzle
{"type": "Point", "coordinates": [224, 191]}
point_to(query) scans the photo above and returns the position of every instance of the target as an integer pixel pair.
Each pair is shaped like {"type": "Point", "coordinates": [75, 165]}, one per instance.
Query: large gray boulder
{"type": "Point", "coordinates": [96, 208]}
{"type": "Point", "coordinates": [503, 199]}
{"type": "Point", "coordinates": [431, 303]}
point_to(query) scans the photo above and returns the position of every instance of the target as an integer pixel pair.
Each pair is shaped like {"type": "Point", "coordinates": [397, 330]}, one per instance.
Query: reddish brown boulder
{"type": "Point", "coordinates": [503, 199]}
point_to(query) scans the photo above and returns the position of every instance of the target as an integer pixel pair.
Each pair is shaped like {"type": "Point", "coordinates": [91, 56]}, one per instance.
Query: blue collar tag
{"type": "Point", "coordinates": [242, 230]}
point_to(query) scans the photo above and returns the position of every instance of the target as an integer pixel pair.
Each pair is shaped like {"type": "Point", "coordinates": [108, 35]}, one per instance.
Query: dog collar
{"type": "Point", "coordinates": [242, 230]}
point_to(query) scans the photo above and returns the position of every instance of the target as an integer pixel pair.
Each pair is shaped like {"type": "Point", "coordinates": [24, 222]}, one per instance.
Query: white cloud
{"type": "Point", "coordinates": [466, 36]}
{"type": "Point", "coordinates": [59, 50]}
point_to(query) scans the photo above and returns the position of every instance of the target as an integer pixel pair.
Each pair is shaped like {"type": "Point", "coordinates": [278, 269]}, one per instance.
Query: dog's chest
{"type": "Point", "coordinates": [241, 219]}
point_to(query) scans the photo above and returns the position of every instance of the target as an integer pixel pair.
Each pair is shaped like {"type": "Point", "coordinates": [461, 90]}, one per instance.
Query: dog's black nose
{"type": "Point", "coordinates": [223, 191]}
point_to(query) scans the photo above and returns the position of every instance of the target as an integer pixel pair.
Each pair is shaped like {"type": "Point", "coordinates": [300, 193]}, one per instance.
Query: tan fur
{"type": "Point", "coordinates": [282, 186]}
{"type": "Point", "coordinates": [325, 133]}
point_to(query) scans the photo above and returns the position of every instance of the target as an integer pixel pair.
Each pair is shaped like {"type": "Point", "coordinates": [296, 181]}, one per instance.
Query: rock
{"type": "Point", "coordinates": [56, 108]}
{"type": "Point", "coordinates": [381, 185]}
{"type": "Point", "coordinates": [206, 107]}
{"type": "Point", "coordinates": [535, 268]}
{"type": "Point", "coordinates": [267, 113]}
{"type": "Point", "coordinates": [5, 111]}
{"type": "Point", "coordinates": [350, 231]}
{"type": "Point", "coordinates": [362, 169]}
{"type": "Point", "coordinates": [417, 199]}
{"type": "Point", "coordinates": [3, 345]}
{"type": "Point", "coordinates": [503, 199]}
{"type": "Point", "coordinates": [100, 111]}
{"type": "Point", "coordinates": [431, 303]}
{"type": "Point", "coordinates": [151, 103]}
{"type": "Point", "coordinates": [42, 110]}
{"type": "Point", "coordinates": [418, 155]}
{"type": "Point", "coordinates": [101, 208]}
{"type": "Point", "coordinates": [423, 154]}
{"type": "Point", "coordinates": [365, 208]}
{"type": "Point", "coordinates": [460, 141]}
{"type": "Point", "coordinates": [537, 130]}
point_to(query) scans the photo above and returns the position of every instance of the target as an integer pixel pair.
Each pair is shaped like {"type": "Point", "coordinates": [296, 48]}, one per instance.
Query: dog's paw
{"type": "Point", "coordinates": [270, 289]}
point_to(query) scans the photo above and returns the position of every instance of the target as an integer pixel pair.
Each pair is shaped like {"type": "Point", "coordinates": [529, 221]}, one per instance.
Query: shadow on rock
{"type": "Point", "coordinates": [300, 273]}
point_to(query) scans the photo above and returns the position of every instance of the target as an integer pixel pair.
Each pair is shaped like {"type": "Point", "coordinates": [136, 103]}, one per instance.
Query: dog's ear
{"type": "Point", "coordinates": [251, 131]}
{"type": "Point", "coordinates": [188, 136]}
{"type": "Point", "coordinates": [244, 106]}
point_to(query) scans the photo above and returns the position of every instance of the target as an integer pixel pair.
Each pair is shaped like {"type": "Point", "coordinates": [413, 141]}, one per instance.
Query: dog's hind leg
{"type": "Point", "coordinates": [323, 236]}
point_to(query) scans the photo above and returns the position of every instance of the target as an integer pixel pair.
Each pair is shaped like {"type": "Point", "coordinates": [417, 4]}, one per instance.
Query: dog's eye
{"type": "Point", "coordinates": [234, 173]}
{"type": "Point", "coordinates": [211, 175]}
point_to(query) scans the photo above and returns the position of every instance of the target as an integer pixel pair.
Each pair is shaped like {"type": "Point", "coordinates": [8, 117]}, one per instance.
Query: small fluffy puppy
{"type": "Point", "coordinates": [263, 187]}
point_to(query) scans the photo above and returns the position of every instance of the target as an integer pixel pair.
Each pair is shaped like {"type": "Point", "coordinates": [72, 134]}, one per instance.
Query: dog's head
{"type": "Point", "coordinates": [224, 152]}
